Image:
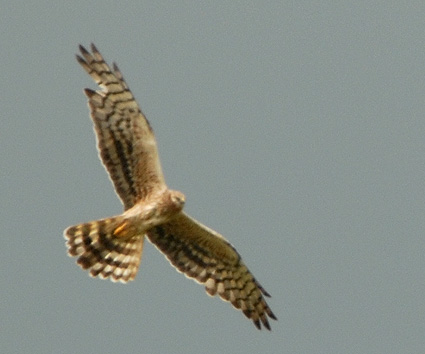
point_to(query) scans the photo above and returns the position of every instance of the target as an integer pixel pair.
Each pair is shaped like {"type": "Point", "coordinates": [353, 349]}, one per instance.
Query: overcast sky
{"type": "Point", "coordinates": [295, 129]}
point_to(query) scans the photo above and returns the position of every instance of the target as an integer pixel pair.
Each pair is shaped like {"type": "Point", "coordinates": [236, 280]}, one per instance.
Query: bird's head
{"type": "Point", "coordinates": [178, 199]}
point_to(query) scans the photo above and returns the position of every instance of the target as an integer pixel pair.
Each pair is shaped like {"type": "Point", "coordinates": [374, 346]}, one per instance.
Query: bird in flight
{"type": "Point", "coordinates": [112, 247]}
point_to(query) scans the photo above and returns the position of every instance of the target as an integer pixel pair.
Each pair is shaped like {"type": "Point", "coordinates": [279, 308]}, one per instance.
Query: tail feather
{"type": "Point", "coordinates": [101, 252]}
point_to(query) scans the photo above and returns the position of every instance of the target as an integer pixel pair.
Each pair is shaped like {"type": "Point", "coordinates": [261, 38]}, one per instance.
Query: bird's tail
{"type": "Point", "coordinates": [102, 249]}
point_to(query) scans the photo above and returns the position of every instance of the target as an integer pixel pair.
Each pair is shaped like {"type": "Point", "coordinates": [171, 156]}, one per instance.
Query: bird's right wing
{"type": "Point", "coordinates": [207, 257]}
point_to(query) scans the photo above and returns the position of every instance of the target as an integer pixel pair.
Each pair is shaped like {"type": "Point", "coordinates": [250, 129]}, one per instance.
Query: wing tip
{"type": "Point", "coordinates": [93, 48]}
{"type": "Point", "coordinates": [272, 315]}
{"type": "Point", "coordinates": [83, 49]}
{"type": "Point", "coordinates": [80, 59]}
{"type": "Point", "coordinates": [89, 92]}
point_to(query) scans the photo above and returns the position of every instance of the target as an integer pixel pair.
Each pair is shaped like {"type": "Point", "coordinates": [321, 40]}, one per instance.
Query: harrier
{"type": "Point", "coordinates": [112, 247]}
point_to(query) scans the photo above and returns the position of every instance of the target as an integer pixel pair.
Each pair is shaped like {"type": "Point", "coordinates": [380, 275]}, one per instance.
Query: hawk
{"type": "Point", "coordinates": [112, 247]}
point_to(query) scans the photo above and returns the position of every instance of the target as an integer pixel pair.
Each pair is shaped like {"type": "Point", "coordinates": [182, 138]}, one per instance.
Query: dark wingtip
{"type": "Point", "coordinates": [272, 316]}
{"type": "Point", "coordinates": [266, 324]}
{"type": "Point", "coordinates": [89, 92]}
{"type": "Point", "coordinates": [265, 293]}
{"type": "Point", "coordinates": [80, 59]}
{"type": "Point", "coordinates": [257, 323]}
{"type": "Point", "coordinates": [83, 50]}
{"type": "Point", "coordinates": [93, 48]}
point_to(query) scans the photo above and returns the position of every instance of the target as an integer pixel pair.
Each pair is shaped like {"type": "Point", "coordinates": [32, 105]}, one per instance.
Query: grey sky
{"type": "Point", "coordinates": [296, 129]}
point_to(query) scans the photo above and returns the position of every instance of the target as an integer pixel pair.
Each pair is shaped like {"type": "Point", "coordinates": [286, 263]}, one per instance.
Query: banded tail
{"type": "Point", "coordinates": [103, 251]}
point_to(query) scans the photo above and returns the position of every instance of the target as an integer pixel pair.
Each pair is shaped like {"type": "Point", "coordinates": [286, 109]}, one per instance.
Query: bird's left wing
{"type": "Point", "coordinates": [207, 257]}
{"type": "Point", "coordinates": [126, 142]}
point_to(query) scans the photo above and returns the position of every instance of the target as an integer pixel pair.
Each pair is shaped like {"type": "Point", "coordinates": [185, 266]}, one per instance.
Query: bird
{"type": "Point", "coordinates": [111, 248]}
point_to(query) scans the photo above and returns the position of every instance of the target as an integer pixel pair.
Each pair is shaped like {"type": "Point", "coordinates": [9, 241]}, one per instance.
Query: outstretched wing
{"type": "Point", "coordinates": [206, 256]}
{"type": "Point", "coordinates": [126, 141]}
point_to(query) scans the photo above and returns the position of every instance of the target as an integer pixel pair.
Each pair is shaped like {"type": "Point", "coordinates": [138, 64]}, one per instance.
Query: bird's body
{"type": "Point", "coordinates": [112, 247]}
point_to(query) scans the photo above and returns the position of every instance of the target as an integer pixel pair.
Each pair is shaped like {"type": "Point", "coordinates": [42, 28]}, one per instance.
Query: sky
{"type": "Point", "coordinates": [295, 129]}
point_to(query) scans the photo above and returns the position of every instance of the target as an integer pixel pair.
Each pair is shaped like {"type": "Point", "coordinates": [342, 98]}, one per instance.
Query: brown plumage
{"type": "Point", "coordinates": [112, 248]}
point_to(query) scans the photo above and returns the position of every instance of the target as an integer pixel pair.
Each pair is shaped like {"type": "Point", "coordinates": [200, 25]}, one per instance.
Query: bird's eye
{"type": "Point", "coordinates": [178, 199]}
